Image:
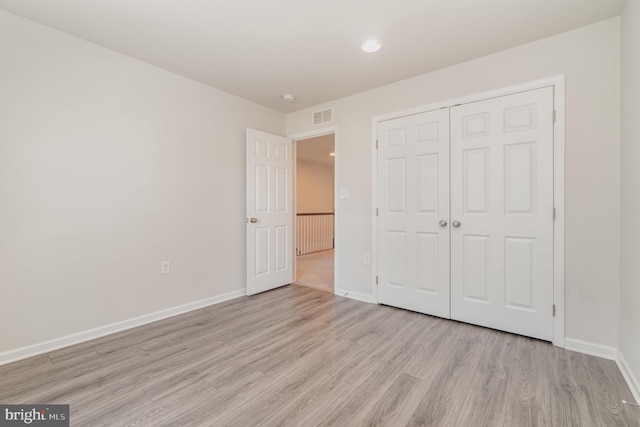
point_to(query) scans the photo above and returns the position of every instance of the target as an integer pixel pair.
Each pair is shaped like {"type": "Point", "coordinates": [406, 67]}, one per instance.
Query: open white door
{"type": "Point", "coordinates": [269, 211]}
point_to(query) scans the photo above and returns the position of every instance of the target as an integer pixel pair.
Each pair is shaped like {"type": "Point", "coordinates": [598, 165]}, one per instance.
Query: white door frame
{"type": "Point", "coordinates": [558, 83]}
{"type": "Point", "coordinates": [336, 206]}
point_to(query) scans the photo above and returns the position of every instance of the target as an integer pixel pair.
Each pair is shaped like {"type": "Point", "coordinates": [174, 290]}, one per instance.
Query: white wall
{"type": "Point", "coordinates": [108, 166]}
{"type": "Point", "coordinates": [630, 244]}
{"type": "Point", "coordinates": [314, 187]}
{"type": "Point", "coordinates": [590, 59]}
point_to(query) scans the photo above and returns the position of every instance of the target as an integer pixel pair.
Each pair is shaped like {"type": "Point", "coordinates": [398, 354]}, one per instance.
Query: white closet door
{"type": "Point", "coordinates": [502, 197]}
{"type": "Point", "coordinates": [413, 199]}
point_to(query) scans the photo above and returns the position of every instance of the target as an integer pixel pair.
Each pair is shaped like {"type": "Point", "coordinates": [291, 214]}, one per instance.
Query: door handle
{"type": "Point", "coordinates": [442, 223]}
{"type": "Point", "coordinates": [252, 220]}
{"type": "Point", "coordinates": [456, 224]}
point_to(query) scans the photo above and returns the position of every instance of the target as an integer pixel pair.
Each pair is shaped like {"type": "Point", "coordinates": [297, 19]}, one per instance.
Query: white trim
{"type": "Point", "coordinates": [356, 296]}
{"type": "Point", "coordinates": [591, 349]}
{"type": "Point", "coordinates": [294, 209]}
{"type": "Point", "coordinates": [558, 83]}
{"type": "Point", "coordinates": [315, 132]}
{"type": "Point", "coordinates": [558, 202]}
{"type": "Point", "coordinates": [101, 331]}
{"type": "Point", "coordinates": [630, 378]}
{"type": "Point", "coordinates": [336, 205]}
{"type": "Point", "coordinates": [374, 211]}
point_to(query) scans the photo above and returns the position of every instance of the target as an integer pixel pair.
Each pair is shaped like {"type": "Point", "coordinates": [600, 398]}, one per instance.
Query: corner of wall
{"type": "Point", "coordinates": [629, 319]}
{"type": "Point", "coordinates": [629, 376]}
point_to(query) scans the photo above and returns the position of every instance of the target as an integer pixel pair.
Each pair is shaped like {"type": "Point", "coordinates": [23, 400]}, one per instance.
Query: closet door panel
{"type": "Point", "coordinates": [413, 199]}
{"type": "Point", "coordinates": [502, 213]}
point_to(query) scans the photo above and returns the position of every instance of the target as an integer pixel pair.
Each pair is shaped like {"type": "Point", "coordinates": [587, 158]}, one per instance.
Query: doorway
{"type": "Point", "coordinates": [315, 212]}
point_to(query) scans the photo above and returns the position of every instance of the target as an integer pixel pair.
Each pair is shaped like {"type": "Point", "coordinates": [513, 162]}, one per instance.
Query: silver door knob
{"type": "Point", "coordinates": [442, 223]}
{"type": "Point", "coordinates": [456, 224]}
{"type": "Point", "coordinates": [253, 220]}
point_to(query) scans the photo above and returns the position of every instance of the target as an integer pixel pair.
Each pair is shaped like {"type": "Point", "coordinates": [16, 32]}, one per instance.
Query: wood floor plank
{"type": "Point", "coordinates": [358, 400]}
{"type": "Point", "coordinates": [23, 388]}
{"type": "Point", "coordinates": [114, 411]}
{"type": "Point", "coordinates": [274, 397]}
{"type": "Point", "coordinates": [308, 404]}
{"type": "Point", "coordinates": [443, 401]}
{"type": "Point", "coordinates": [296, 356]}
{"type": "Point", "coordinates": [159, 412]}
{"type": "Point", "coordinates": [528, 392]}
{"type": "Point", "coordinates": [428, 327]}
{"type": "Point", "coordinates": [487, 397]}
{"type": "Point", "coordinates": [189, 407]}
{"type": "Point", "coordinates": [607, 399]}
{"type": "Point", "coordinates": [371, 352]}
{"type": "Point", "coordinates": [572, 403]}
{"type": "Point", "coordinates": [609, 378]}
{"type": "Point", "coordinates": [25, 368]}
{"type": "Point", "coordinates": [320, 399]}
{"type": "Point", "coordinates": [283, 389]}
{"type": "Point", "coordinates": [234, 380]}
{"type": "Point", "coordinates": [432, 354]}
{"type": "Point", "coordinates": [109, 380]}
{"type": "Point", "coordinates": [396, 406]}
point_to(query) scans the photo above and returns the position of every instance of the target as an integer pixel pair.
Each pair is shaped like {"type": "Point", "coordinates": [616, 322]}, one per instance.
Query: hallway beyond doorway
{"type": "Point", "coordinates": [315, 270]}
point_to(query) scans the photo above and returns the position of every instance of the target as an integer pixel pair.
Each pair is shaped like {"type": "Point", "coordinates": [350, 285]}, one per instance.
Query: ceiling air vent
{"type": "Point", "coordinates": [321, 117]}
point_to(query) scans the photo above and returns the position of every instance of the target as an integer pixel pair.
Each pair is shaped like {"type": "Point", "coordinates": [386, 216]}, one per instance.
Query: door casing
{"type": "Point", "coordinates": [558, 83]}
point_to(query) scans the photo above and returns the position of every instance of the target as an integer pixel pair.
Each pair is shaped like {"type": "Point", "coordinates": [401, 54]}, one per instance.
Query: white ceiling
{"type": "Point", "coordinates": [259, 49]}
{"type": "Point", "coordinates": [316, 150]}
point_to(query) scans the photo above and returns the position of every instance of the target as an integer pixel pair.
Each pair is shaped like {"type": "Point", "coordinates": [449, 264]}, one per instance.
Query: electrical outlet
{"type": "Point", "coordinates": [367, 259]}
{"type": "Point", "coordinates": [165, 267]}
{"type": "Point", "coordinates": [344, 193]}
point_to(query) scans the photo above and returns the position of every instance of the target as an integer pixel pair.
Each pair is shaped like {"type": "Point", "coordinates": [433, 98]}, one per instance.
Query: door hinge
{"type": "Point", "coordinates": [554, 310]}
{"type": "Point", "coordinates": [376, 211]}
{"type": "Point", "coordinates": [376, 144]}
{"type": "Point", "coordinates": [553, 116]}
{"type": "Point", "coordinates": [376, 280]}
{"type": "Point", "coordinates": [554, 214]}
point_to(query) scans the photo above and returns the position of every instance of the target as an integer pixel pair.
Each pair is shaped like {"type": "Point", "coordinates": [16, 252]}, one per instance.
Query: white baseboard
{"type": "Point", "coordinates": [79, 337]}
{"type": "Point", "coordinates": [590, 348]}
{"type": "Point", "coordinates": [355, 295]}
{"type": "Point", "coordinates": [629, 377]}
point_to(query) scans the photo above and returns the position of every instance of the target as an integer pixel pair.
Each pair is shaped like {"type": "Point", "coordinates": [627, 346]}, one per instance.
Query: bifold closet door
{"type": "Point", "coordinates": [413, 212]}
{"type": "Point", "coordinates": [502, 213]}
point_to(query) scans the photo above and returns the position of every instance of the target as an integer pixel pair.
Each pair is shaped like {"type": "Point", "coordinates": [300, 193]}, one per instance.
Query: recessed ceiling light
{"type": "Point", "coordinates": [371, 46]}
{"type": "Point", "coordinates": [332, 154]}
{"type": "Point", "coordinates": [287, 97]}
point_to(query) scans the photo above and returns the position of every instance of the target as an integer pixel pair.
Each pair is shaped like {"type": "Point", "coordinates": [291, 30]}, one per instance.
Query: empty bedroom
{"type": "Point", "coordinates": [346, 213]}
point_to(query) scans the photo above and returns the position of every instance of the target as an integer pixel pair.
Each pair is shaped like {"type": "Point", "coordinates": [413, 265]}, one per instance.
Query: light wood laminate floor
{"type": "Point", "coordinates": [301, 357]}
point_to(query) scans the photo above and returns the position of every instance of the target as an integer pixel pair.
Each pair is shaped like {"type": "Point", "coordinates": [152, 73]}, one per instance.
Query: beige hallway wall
{"type": "Point", "coordinates": [314, 187]}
